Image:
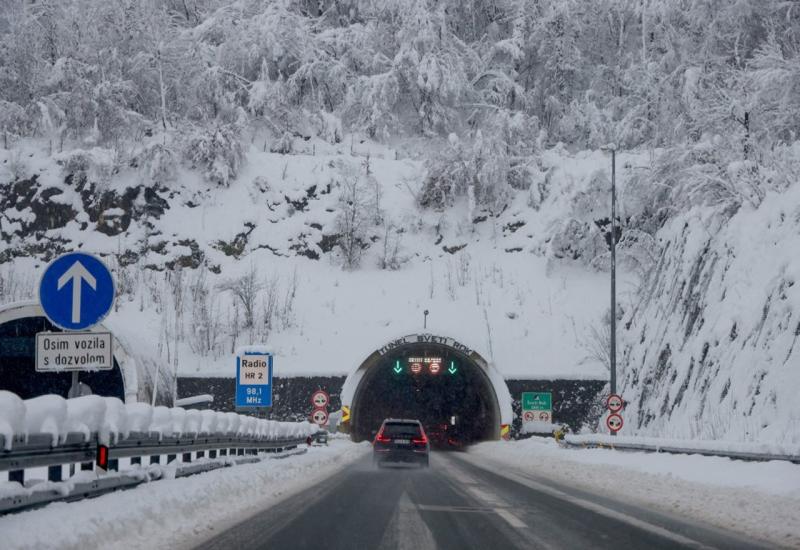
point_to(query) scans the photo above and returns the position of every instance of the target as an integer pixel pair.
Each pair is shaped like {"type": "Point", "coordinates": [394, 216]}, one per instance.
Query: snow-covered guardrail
{"type": "Point", "coordinates": [154, 442]}
{"type": "Point", "coordinates": [727, 449]}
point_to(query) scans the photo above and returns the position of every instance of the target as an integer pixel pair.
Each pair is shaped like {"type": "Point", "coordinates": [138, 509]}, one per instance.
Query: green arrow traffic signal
{"type": "Point", "coordinates": [398, 368]}
{"type": "Point", "coordinates": [452, 369]}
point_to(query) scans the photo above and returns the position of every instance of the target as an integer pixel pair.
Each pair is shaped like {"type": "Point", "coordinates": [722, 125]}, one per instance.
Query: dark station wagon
{"type": "Point", "coordinates": [401, 440]}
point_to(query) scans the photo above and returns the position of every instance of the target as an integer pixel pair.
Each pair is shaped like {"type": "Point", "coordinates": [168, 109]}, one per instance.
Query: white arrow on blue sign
{"type": "Point", "coordinates": [76, 291]}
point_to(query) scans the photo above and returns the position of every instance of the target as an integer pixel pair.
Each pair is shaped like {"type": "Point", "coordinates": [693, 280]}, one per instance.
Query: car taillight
{"type": "Point", "coordinates": [380, 438]}
{"type": "Point", "coordinates": [423, 440]}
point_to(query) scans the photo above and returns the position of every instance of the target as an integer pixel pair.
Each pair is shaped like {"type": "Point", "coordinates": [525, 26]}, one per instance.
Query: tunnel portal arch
{"type": "Point", "coordinates": [476, 395]}
{"type": "Point", "coordinates": [19, 324]}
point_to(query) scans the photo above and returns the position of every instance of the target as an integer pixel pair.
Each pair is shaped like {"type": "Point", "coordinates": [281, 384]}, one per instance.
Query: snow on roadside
{"type": "Point", "coordinates": [693, 444]}
{"type": "Point", "coordinates": [757, 499]}
{"type": "Point", "coordinates": [174, 513]}
{"type": "Point", "coordinates": [112, 420]}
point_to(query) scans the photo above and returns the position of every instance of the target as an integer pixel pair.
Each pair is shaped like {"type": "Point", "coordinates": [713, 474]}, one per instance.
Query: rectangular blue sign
{"type": "Point", "coordinates": [254, 379]}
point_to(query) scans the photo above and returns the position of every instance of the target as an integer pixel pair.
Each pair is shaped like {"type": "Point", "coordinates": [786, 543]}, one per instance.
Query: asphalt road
{"type": "Point", "coordinates": [458, 504]}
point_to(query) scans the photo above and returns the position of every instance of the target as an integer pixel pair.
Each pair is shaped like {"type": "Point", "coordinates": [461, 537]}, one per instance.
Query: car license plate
{"type": "Point", "coordinates": [402, 441]}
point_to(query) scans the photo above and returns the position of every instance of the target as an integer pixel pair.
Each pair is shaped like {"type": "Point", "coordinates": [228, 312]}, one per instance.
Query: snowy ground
{"type": "Point", "coordinates": [178, 512]}
{"type": "Point", "coordinates": [760, 500]}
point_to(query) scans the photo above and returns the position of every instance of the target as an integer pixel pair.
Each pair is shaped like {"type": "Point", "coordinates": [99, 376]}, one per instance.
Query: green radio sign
{"type": "Point", "coordinates": [537, 401]}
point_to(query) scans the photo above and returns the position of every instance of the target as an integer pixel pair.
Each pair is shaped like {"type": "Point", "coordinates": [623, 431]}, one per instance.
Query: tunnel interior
{"type": "Point", "coordinates": [445, 390]}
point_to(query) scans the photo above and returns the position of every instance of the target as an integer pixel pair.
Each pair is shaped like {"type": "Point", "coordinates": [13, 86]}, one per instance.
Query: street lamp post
{"type": "Point", "coordinates": [613, 245]}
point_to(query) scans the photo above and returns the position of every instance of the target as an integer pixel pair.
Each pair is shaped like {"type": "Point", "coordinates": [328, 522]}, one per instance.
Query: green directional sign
{"type": "Point", "coordinates": [537, 401]}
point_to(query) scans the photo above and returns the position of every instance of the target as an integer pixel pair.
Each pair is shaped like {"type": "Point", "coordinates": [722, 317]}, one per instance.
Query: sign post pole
{"type": "Point", "coordinates": [74, 389]}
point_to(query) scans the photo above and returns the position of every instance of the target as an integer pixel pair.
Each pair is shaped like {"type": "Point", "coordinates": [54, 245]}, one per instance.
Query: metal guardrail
{"type": "Point", "coordinates": [37, 450]}
{"type": "Point", "coordinates": [672, 449]}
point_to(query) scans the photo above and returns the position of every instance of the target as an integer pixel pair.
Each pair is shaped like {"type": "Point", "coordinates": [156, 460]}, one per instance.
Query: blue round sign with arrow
{"type": "Point", "coordinates": [76, 291]}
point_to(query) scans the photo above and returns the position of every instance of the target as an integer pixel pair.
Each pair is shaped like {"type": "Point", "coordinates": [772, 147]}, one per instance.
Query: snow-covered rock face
{"type": "Point", "coordinates": [711, 348]}
{"type": "Point", "coordinates": [203, 269]}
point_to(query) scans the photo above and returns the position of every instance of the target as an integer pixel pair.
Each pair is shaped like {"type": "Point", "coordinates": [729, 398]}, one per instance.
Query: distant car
{"type": "Point", "coordinates": [401, 440]}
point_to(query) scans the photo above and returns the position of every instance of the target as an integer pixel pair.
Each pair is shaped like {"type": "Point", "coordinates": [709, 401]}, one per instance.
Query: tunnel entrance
{"type": "Point", "coordinates": [447, 389]}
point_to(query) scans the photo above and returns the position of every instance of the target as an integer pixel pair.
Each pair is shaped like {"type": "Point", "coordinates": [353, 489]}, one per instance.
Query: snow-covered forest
{"type": "Point", "coordinates": [151, 82]}
{"type": "Point", "coordinates": [449, 148]}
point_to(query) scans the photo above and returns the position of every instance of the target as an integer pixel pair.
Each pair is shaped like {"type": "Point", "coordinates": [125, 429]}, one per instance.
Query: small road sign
{"type": "Point", "coordinates": [320, 399]}
{"type": "Point", "coordinates": [537, 401]}
{"type": "Point", "coordinates": [345, 414]}
{"type": "Point", "coordinates": [319, 417]}
{"type": "Point", "coordinates": [537, 410]}
{"type": "Point", "coordinates": [76, 291]}
{"type": "Point", "coordinates": [614, 403]}
{"type": "Point", "coordinates": [254, 379]}
{"type": "Point", "coordinates": [614, 422]}
{"type": "Point", "coordinates": [74, 351]}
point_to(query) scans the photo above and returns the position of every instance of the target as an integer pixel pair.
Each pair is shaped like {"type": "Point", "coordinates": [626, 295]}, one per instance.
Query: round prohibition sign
{"type": "Point", "coordinates": [320, 399]}
{"type": "Point", "coordinates": [319, 417]}
{"type": "Point", "coordinates": [614, 422]}
{"type": "Point", "coordinates": [614, 403]}
{"type": "Point", "coordinates": [528, 416]}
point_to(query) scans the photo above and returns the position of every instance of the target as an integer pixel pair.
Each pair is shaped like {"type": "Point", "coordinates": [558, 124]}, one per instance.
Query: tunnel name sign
{"type": "Point", "coordinates": [72, 351]}
{"type": "Point", "coordinates": [425, 339]}
{"type": "Point", "coordinates": [253, 379]}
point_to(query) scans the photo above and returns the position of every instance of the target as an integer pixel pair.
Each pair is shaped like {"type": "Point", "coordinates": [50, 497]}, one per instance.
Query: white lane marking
{"type": "Point", "coordinates": [489, 498]}
{"type": "Point", "coordinates": [438, 508]}
{"type": "Point", "coordinates": [482, 493]}
{"type": "Point", "coordinates": [407, 530]}
{"type": "Point", "coordinates": [512, 520]}
{"type": "Point", "coordinates": [603, 511]}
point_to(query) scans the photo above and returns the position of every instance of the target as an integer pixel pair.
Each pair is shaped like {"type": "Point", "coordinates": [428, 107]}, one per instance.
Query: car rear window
{"type": "Point", "coordinates": [400, 429]}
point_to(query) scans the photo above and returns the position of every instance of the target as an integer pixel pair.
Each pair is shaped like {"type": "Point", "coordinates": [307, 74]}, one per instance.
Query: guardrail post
{"type": "Point", "coordinates": [187, 457]}
{"type": "Point", "coordinates": [17, 475]}
{"type": "Point", "coordinates": [54, 473]}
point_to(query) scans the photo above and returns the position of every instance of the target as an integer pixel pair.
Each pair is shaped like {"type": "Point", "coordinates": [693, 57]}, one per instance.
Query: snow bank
{"type": "Point", "coordinates": [46, 414]}
{"type": "Point", "coordinates": [111, 419]}
{"type": "Point", "coordinates": [174, 513]}
{"type": "Point", "coordinates": [12, 417]}
{"type": "Point", "coordinates": [693, 444]}
{"type": "Point", "coordinates": [758, 499]}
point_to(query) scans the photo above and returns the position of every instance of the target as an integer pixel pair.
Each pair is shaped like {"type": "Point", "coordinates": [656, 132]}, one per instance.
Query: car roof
{"type": "Point", "coordinates": [402, 421]}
